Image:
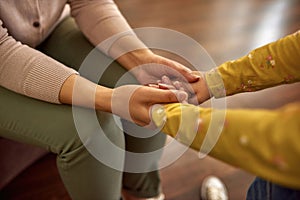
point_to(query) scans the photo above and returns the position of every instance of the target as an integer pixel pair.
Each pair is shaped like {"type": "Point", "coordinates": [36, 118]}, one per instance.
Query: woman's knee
{"type": "Point", "coordinates": [91, 132]}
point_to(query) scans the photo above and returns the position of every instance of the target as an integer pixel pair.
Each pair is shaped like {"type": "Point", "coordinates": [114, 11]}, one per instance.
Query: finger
{"type": "Point", "coordinates": [193, 100]}
{"type": "Point", "coordinates": [185, 101]}
{"type": "Point", "coordinates": [187, 87]}
{"type": "Point", "coordinates": [190, 77]}
{"type": "Point", "coordinates": [166, 80]}
{"type": "Point", "coordinates": [178, 85]}
{"type": "Point", "coordinates": [153, 85]}
{"type": "Point", "coordinates": [167, 96]}
{"type": "Point", "coordinates": [197, 73]}
{"type": "Point", "coordinates": [187, 96]}
{"type": "Point", "coordinates": [166, 86]}
{"type": "Point", "coordinates": [183, 70]}
{"type": "Point", "coordinates": [182, 96]}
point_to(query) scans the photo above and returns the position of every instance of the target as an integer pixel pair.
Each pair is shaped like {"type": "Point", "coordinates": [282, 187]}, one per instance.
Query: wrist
{"type": "Point", "coordinates": [130, 51]}
{"type": "Point", "coordinates": [135, 58]}
{"type": "Point", "coordinates": [215, 84]}
{"type": "Point", "coordinates": [103, 99]}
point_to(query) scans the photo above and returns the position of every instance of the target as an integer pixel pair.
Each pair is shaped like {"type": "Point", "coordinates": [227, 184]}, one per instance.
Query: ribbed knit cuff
{"type": "Point", "coordinates": [121, 43]}
{"type": "Point", "coordinates": [215, 83]}
{"type": "Point", "coordinates": [45, 79]}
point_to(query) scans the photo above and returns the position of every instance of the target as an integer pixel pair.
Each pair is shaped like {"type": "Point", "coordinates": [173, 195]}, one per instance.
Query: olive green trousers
{"type": "Point", "coordinates": [52, 127]}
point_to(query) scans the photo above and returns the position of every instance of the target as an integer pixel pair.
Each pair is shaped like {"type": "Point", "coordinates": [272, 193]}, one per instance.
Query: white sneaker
{"type": "Point", "coordinates": [125, 195]}
{"type": "Point", "coordinates": [159, 197]}
{"type": "Point", "coordinates": [213, 189]}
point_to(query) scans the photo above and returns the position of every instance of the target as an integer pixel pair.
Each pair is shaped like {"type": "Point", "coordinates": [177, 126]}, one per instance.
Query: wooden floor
{"type": "Point", "coordinates": [227, 29]}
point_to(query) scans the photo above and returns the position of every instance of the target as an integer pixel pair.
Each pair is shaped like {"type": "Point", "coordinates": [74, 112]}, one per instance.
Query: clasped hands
{"type": "Point", "coordinates": [163, 81]}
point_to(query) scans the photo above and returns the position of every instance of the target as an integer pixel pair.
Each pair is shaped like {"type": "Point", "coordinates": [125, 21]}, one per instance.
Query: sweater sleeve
{"type": "Point", "coordinates": [29, 72]}
{"type": "Point", "coordinates": [270, 65]}
{"type": "Point", "coordinates": [263, 142]}
{"type": "Point", "coordinates": [102, 23]}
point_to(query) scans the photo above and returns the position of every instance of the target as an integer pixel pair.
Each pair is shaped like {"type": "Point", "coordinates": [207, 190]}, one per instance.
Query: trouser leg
{"type": "Point", "coordinates": [68, 45]}
{"type": "Point", "coordinates": [52, 127]}
{"type": "Point", "coordinates": [264, 190]}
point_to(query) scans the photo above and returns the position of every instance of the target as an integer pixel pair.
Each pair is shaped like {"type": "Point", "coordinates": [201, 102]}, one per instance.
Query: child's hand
{"type": "Point", "coordinates": [200, 92]}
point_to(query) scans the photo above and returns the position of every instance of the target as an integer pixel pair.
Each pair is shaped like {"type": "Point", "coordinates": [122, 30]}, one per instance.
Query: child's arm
{"type": "Point", "coordinates": [263, 142]}
{"type": "Point", "coordinates": [270, 65]}
{"type": "Point", "coordinates": [259, 141]}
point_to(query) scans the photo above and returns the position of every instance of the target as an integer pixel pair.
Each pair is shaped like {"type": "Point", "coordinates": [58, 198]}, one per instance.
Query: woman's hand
{"type": "Point", "coordinates": [156, 67]}
{"type": "Point", "coordinates": [198, 91]}
{"type": "Point", "coordinates": [133, 102]}
{"type": "Point", "coordinates": [148, 68]}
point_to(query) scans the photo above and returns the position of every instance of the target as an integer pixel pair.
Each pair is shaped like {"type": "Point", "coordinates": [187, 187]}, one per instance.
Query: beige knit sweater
{"type": "Point", "coordinates": [25, 25]}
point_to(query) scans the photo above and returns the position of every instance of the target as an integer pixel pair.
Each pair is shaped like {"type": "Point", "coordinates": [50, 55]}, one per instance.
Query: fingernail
{"type": "Point", "coordinates": [166, 79]}
{"type": "Point", "coordinates": [177, 84]}
{"type": "Point", "coordinates": [196, 76]}
{"type": "Point", "coordinates": [182, 96]}
{"type": "Point", "coordinates": [158, 115]}
{"type": "Point", "coordinates": [153, 85]}
{"type": "Point", "coordinates": [165, 86]}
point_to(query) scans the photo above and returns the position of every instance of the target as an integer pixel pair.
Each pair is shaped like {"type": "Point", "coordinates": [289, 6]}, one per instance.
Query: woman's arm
{"type": "Point", "coordinates": [131, 102]}
{"type": "Point", "coordinates": [104, 25]}
{"type": "Point", "coordinates": [30, 72]}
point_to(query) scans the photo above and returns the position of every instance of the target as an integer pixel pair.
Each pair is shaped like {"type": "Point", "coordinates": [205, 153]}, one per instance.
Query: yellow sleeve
{"type": "Point", "coordinates": [270, 65]}
{"type": "Point", "coordinates": [263, 142]}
